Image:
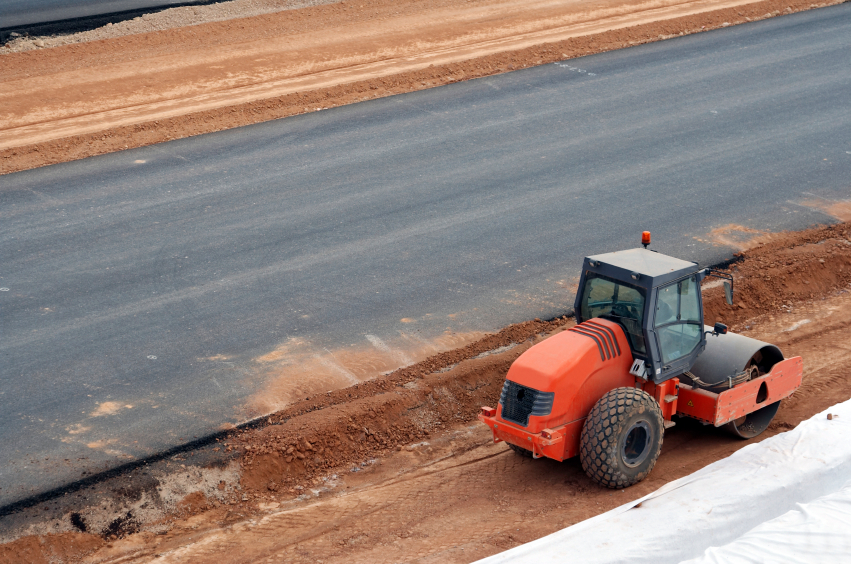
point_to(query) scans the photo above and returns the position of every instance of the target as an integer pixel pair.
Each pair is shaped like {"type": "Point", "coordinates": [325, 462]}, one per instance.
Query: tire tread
{"type": "Point", "coordinates": [598, 443]}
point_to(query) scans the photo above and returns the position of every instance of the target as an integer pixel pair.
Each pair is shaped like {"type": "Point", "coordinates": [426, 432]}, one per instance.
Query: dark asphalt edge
{"type": "Point", "coordinates": [101, 477]}
{"type": "Point", "coordinates": [88, 23]}
{"type": "Point", "coordinates": [198, 444]}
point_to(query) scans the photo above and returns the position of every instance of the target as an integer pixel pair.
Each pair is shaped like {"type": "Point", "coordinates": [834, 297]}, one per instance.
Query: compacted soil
{"type": "Point", "coordinates": [398, 469]}
{"type": "Point", "coordinates": [146, 81]}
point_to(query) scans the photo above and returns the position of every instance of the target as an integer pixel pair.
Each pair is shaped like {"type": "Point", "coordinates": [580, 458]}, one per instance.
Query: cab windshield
{"type": "Point", "coordinates": [604, 297]}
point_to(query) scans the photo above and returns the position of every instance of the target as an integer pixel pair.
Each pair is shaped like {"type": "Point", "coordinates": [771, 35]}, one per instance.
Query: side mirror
{"type": "Point", "coordinates": [728, 281]}
{"type": "Point", "coordinates": [720, 329]}
{"type": "Point", "coordinates": [728, 293]}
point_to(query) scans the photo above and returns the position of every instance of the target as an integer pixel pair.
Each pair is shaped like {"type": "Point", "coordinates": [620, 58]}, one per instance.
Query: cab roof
{"type": "Point", "coordinates": [654, 269]}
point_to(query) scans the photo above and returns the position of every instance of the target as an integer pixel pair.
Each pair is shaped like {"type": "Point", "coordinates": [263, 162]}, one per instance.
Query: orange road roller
{"type": "Point", "coordinates": [607, 388]}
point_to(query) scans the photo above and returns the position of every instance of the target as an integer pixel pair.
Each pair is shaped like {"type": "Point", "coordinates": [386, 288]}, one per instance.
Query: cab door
{"type": "Point", "coordinates": [677, 327]}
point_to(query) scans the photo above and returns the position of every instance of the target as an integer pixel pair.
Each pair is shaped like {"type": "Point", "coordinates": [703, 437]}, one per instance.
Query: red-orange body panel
{"type": "Point", "coordinates": [665, 395]}
{"type": "Point", "coordinates": [580, 365]}
{"type": "Point", "coordinates": [718, 409]}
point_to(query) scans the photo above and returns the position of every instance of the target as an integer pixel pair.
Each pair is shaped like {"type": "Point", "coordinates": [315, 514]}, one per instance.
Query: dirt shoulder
{"type": "Point", "coordinates": [398, 468]}
{"type": "Point", "coordinates": [78, 100]}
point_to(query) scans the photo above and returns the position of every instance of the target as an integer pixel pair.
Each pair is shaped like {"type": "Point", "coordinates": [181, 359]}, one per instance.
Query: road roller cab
{"type": "Point", "coordinates": [655, 299]}
{"type": "Point", "coordinates": [639, 354]}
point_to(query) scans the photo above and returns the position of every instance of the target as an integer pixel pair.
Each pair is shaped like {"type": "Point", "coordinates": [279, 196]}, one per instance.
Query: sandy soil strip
{"type": "Point", "coordinates": [79, 100]}
{"type": "Point", "coordinates": [398, 469]}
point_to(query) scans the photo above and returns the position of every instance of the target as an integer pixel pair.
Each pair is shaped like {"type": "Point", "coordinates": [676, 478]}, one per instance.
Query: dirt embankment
{"type": "Point", "coordinates": [786, 269]}
{"type": "Point", "coordinates": [74, 101]}
{"type": "Point", "coordinates": [364, 422]}
{"type": "Point", "coordinates": [399, 469]}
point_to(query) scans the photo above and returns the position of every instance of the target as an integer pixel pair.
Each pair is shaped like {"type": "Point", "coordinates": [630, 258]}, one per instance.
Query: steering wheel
{"type": "Point", "coordinates": [621, 310]}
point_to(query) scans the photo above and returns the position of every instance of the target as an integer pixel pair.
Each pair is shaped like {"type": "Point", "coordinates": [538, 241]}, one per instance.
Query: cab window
{"type": "Point", "coordinates": [677, 319]}
{"type": "Point", "coordinates": [604, 297]}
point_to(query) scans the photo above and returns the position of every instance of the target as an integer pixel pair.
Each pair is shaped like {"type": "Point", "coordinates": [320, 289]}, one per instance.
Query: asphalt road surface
{"type": "Point", "coordinates": [138, 290]}
{"type": "Point", "coordinates": [14, 13]}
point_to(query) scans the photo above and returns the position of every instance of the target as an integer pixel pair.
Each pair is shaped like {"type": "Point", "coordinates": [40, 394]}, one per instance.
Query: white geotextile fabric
{"type": "Point", "coordinates": [814, 533]}
{"type": "Point", "coordinates": [716, 505]}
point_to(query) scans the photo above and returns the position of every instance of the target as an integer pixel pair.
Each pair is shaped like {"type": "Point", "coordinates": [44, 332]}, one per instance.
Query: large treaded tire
{"type": "Point", "coordinates": [621, 438]}
{"type": "Point", "coordinates": [520, 450]}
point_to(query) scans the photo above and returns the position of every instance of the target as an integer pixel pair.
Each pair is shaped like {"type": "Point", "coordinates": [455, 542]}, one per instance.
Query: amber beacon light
{"type": "Point", "coordinates": [645, 238]}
